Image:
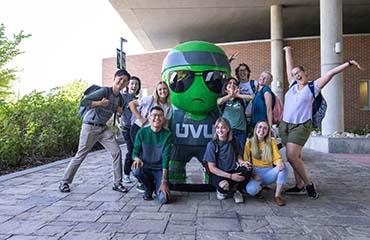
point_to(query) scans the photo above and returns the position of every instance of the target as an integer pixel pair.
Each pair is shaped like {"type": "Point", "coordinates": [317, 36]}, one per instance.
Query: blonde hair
{"type": "Point", "coordinates": [266, 153]}
{"type": "Point", "coordinates": [268, 73]}
{"type": "Point", "coordinates": [225, 123]}
{"type": "Point", "coordinates": [156, 95]}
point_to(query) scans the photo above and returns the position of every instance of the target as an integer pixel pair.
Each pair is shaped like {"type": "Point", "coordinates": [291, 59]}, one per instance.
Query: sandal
{"type": "Point", "coordinates": [64, 187]}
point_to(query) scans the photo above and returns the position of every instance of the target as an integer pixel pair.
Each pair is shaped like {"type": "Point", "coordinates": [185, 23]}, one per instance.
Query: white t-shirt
{"type": "Point", "coordinates": [144, 106]}
{"type": "Point", "coordinates": [298, 104]}
{"type": "Point", "coordinates": [246, 88]}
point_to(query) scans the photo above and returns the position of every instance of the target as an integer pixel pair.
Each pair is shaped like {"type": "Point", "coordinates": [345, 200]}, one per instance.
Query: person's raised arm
{"type": "Point", "coordinates": [322, 81]}
{"type": "Point", "coordinates": [289, 63]}
{"type": "Point", "coordinates": [244, 96]}
{"type": "Point", "coordinates": [133, 108]}
{"type": "Point", "coordinates": [223, 99]}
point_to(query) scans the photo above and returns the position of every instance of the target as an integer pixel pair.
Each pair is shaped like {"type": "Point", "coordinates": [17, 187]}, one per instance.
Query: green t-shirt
{"type": "Point", "coordinates": [153, 148]}
{"type": "Point", "coordinates": [234, 111]}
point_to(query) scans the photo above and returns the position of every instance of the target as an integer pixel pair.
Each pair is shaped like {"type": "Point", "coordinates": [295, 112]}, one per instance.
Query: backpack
{"type": "Point", "coordinates": [253, 86]}
{"type": "Point", "coordinates": [277, 108]}
{"type": "Point", "coordinates": [319, 105]}
{"type": "Point", "coordinates": [277, 111]}
{"type": "Point", "coordinates": [82, 110]}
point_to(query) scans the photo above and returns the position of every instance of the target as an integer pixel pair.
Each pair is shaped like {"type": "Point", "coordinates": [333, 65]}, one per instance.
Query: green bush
{"type": "Point", "coordinates": [41, 125]}
{"type": "Point", "coordinates": [361, 130]}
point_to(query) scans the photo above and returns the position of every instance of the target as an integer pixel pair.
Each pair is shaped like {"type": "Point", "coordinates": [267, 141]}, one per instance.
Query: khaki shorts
{"type": "Point", "coordinates": [295, 133]}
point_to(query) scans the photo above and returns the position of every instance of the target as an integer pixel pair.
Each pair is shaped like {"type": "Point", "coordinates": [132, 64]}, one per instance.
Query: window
{"type": "Point", "coordinates": [365, 94]}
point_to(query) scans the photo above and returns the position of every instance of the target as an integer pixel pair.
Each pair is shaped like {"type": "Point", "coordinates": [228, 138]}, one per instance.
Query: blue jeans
{"type": "Point", "coordinates": [151, 179]}
{"type": "Point", "coordinates": [241, 136]}
{"type": "Point", "coordinates": [268, 176]}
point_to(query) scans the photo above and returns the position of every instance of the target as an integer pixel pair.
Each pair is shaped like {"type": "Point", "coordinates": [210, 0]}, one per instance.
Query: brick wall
{"type": "Point", "coordinates": [147, 67]}
{"type": "Point", "coordinates": [257, 55]}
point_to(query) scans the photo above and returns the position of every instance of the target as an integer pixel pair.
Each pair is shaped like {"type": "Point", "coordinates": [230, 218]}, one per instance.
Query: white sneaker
{"type": "Point", "coordinates": [238, 197]}
{"type": "Point", "coordinates": [220, 196]}
{"type": "Point", "coordinates": [126, 179]}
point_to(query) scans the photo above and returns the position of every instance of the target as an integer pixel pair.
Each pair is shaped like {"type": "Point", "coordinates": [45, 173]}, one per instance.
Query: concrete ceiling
{"type": "Point", "coordinates": [160, 24]}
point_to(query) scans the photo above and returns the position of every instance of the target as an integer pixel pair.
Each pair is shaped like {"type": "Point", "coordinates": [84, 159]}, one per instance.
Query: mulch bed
{"type": "Point", "coordinates": [28, 163]}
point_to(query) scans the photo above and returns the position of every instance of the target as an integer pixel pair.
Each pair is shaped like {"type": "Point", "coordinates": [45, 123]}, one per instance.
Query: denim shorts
{"type": "Point", "coordinates": [295, 133]}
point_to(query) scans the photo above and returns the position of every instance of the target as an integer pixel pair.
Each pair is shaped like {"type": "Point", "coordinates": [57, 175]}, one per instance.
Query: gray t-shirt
{"type": "Point", "coordinates": [226, 158]}
{"type": "Point", "coordinates": [127, 118]}
{"type": "Point", "coordinates": [100, 115]}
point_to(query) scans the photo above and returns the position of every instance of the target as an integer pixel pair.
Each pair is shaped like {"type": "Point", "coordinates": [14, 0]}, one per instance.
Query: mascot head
{"type": "Point", "coordinates": [195, 72]}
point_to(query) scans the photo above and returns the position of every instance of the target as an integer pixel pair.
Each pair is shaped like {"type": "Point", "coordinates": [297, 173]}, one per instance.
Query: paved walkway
{"type": "Point", "coordinates": [32, 208]}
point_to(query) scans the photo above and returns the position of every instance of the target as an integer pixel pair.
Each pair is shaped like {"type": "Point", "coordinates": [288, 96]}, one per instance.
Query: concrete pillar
{"type": "Point", "coordinates": [331, 31]}
{"type": "Point", "coordinates": [277, 56]}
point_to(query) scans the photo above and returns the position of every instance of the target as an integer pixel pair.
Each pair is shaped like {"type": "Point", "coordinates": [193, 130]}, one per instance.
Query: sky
{"type": "Point", "coordinates": [69, 40]}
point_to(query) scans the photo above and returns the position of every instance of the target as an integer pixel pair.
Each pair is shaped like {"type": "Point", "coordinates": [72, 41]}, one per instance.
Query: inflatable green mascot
{"type": "Point", "coordinates": [195, 72]}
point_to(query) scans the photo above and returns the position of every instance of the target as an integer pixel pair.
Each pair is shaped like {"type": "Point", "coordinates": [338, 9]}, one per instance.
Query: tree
{"type": "Point", "coordinates": [8, 51]}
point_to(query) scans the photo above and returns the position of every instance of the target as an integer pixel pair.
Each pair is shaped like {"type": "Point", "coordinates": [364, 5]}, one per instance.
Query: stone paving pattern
{"type": "Point", "coordinates": [32, 208]}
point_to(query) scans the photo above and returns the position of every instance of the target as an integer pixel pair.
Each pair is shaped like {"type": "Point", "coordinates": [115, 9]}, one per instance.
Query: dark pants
{"type": "Point", "coordinates": [152, 180]}
{"type": "Point", "coordinates": [242, 138]}
{"type": "Point", "coordinates": [214, 180]}
{"type": "Point", "coordinates": [133, 131]}
{"type": "Point", "coordinates": [250, 128]}
{"type": "Point", "coordinates": [130, 147]}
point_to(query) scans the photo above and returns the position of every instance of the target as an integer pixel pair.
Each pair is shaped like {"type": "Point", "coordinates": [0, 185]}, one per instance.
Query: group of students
{"type": "Point", "coordinates": [242, 156]}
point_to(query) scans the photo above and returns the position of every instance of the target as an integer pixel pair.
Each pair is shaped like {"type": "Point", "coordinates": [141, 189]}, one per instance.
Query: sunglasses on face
{"type": "Point", "coordinates": [181, 80]}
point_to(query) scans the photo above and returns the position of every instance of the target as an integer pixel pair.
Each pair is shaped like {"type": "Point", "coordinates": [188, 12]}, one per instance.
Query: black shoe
{"type": "Point", "coordinates": [64, 187]}
{"type": "Point", "coordinates": [311, 191]}
{"type": "Point", "coordinates": [295, 190]}
{"type": "Point", "coordinates": [148, 195]}
{"type": "Point", "coordinates": [259, 195]}
{"type": "Point", "coordinates": [140, 187]}
{"type": "Point", "coordinates": [119, 188]}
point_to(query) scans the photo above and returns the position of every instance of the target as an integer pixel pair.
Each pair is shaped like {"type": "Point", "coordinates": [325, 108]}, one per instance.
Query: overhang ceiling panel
{"type": "Point", "coordinates": [162, 24]}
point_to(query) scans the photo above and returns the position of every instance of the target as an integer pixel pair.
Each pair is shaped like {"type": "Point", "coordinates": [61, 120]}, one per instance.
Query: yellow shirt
{"type": "Point", "coordinates": [258, 162]}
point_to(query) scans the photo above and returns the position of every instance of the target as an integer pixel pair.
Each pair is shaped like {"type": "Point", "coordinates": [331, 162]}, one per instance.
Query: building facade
{"type": "Point", "coordinates": [257, 54]}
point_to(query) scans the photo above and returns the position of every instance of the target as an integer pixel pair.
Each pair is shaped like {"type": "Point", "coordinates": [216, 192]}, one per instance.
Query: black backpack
{"type": "Point", "coordinates": [319, 105]}
{"type": "Point", "coordinates": [253, 86]}
{"type": "Point", "coordinates": [83, 109]}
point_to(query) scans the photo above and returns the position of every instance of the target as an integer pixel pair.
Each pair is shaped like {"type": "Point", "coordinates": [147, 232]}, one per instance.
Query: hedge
{"type": "Point", "coordinates": [40, 125]}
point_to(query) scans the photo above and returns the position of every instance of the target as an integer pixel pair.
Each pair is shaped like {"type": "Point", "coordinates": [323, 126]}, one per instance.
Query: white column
{"type": "Point", "coordinates": [277, 57]}
{"type": "Point", "coordinates": [331, 31]}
